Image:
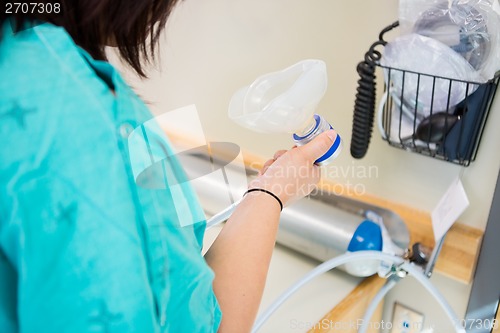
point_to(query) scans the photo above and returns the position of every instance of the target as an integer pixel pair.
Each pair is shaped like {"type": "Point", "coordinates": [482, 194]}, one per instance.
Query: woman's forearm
{"type": "Point", "coordinates": [241, 253]}
{"type": "Point", "coordinates": [240, 258]}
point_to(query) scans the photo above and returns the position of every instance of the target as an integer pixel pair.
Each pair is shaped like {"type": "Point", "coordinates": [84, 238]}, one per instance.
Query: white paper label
{"type": "Point", "coordinates": [450, 207]}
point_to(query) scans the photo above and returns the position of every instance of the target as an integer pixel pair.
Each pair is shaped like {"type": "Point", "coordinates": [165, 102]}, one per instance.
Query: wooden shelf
{"type": "Point", "coordinates": [346, 316]}
{"type": "Point", "coordinates": [496, 326]}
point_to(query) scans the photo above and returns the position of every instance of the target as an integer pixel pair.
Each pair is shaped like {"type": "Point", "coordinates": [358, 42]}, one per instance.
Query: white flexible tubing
{"type": "Point", "coordinates": [223, 215]}
{"type": "Point", "coordinates": [320, 269]}
{"type": "Point", "coordinates": [390, 283]}
{"type": "Point", "coordinates": [354, 256]}
{"type": "Point", "coordinates": [426, 283]}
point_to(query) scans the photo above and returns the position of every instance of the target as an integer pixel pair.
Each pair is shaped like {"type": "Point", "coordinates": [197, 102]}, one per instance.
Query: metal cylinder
{"type": "Point", "coordinates": [320, 226]}
{"type": "Point", "coordinates": [316, 229]}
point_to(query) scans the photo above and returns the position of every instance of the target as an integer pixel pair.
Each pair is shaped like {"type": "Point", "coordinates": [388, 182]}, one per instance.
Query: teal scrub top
{"type": "Point", "coordinates": [85, 247]}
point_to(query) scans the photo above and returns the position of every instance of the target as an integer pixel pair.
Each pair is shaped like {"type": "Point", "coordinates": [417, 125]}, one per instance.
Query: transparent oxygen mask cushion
{"type": "Point", "coordinates": [285, 102]}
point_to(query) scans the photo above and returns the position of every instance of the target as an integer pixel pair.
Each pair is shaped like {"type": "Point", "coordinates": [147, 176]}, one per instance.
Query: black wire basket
{"type": "Point", "coordinates": [435, 116]}
{"type": "Point", "coordinates": [431, 115]}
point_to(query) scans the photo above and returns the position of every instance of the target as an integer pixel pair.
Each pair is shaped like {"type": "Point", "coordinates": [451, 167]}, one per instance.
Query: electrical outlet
{"type": "Point", "coordinates": [406, 320]}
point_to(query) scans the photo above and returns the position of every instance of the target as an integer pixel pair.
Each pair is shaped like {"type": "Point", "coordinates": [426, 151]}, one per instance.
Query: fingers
{"type": "Point", "coordinates": [291, 174]}
{"type": "Point", "coordinates": [266, 166]}
{"type": "Point", "coordinates": [278, 154]}
{"type": "Point", "coordinates": [319, 145]}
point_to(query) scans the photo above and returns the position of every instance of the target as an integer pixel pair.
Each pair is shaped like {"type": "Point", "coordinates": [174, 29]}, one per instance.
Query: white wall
{"type": "Point", "coordinates": [214, 47]}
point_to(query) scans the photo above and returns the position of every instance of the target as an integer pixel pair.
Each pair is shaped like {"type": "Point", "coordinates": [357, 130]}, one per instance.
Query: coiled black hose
{"type": "Point", "coordinates": [364, 105]}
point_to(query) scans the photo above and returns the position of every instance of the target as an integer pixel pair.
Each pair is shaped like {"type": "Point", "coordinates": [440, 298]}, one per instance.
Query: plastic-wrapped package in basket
{"type": "Point", "coordinates": [415, 54]}
{"type": "Point", "coordinates": [458, 39]}
{"type": "Point", "coordinates": [469, 27]}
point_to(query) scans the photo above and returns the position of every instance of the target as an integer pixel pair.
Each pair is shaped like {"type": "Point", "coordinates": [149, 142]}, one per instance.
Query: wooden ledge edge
{"type": "Point", "coordinates": [346, 315]}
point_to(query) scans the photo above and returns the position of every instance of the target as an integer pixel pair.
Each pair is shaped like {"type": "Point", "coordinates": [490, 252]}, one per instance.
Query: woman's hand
{"type": "Point", "coordinates": [241, 254]}
{"type": "Point", "coordinates": [292, 174]}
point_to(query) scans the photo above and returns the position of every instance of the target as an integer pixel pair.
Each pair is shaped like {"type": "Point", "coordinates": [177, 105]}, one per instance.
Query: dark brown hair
{"type": "Point", "coordinates": [134, 26]}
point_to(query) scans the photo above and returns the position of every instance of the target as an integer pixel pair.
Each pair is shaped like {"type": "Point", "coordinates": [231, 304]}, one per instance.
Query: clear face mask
{"type": "Point", "coordinates": [284, 102]}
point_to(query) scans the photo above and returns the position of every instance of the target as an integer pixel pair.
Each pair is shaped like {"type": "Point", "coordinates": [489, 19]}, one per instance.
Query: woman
{"type": "Point", "coordinates": [83, 248]}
